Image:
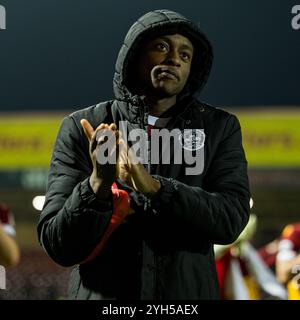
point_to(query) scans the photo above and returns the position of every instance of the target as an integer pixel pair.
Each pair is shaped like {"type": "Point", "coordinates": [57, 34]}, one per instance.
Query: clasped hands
{"type": "Point", "coordinates": [126, 167]}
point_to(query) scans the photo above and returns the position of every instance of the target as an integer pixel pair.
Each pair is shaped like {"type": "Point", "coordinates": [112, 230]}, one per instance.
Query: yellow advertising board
{"type": "Point", "coordinates": [270, 138]}
{"type": "Point", "coordinates": [27, 141]}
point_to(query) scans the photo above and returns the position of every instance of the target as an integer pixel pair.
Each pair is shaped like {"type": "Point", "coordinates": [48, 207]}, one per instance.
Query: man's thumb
{"type": "Point", "coordinates": [87, 128]}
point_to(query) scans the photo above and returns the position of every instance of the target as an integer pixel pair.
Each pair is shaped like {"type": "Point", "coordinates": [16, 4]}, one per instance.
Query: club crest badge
{"type": "Point", "coordinates": [192, 139]}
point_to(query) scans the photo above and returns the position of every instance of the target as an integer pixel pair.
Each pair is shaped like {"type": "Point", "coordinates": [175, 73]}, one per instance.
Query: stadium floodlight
{"type": "Point", "coordinates": [38, 202]}
{"type": "Point", "coordinates": [251, 203]}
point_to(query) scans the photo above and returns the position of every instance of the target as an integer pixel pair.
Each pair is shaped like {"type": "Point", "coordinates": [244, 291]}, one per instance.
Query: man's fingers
{"type": "Point", "coordinates": [102, 126]}
{"type": "Point", "coordinates": [96, 135]}
{"type": "Point", "coordinates": [113, 126]}
{"type": "Point", "coordinates": [87, 128]}
{"type": "Point", "coordinates": [101, 134]}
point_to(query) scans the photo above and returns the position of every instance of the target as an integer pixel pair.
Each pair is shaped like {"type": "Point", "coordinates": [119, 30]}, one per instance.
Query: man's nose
{"type": "Point", "coordinates": [173, 59]}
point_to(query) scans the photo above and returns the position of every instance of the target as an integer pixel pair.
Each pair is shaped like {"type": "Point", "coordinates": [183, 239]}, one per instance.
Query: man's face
{"type": "Point", "coordinates": [164, 65]}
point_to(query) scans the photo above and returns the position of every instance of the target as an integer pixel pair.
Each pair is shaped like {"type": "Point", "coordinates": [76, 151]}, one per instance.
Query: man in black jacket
{"type": "Point", "coordinates": [164, 249]}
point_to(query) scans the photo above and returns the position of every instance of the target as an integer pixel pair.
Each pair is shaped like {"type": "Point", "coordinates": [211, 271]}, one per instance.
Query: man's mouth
{"type": "Point", "coordinates": [165, 72]}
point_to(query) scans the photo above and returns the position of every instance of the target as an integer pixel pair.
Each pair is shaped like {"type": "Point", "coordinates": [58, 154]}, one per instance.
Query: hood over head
{"type": "Point", "coordinates": [154, 24]}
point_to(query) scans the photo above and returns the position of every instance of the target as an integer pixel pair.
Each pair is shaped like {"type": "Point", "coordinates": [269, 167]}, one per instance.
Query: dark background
{"type": "Point", "coordinates": [60, 55]}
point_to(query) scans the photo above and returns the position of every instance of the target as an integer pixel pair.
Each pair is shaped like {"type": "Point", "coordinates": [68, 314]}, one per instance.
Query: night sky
{"type": "Point", "coordinates": [60, 55]}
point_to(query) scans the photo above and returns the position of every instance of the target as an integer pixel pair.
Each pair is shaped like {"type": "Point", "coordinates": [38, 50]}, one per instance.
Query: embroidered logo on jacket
{"type": "Point", "coordinates": [192, 139]}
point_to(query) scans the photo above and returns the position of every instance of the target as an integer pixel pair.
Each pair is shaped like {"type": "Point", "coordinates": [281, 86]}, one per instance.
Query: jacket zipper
{"type": "Point", "coordinates": [147, 203]}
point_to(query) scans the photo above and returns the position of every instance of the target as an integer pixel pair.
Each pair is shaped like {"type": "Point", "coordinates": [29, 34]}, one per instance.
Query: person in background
{"type": "Point", "coordinates": [236, 282]}
{"type": "Point", "coordinates": [242, 272]}
{"type": "Point", "coordinates": [288, 260]}
{"type": "Point", "coordinates": [268, 253]}
{"type": "Point", "coordinates": [9, 249]}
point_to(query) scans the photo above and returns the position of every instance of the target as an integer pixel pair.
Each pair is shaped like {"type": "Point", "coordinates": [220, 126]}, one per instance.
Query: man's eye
{"type": "Point", "coordinates": [161, 46]}
{"type": "Point", "coordinates": [185, 56]}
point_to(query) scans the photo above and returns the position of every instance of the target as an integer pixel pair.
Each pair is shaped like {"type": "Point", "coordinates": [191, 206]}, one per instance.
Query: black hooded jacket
{"type": "Point", "coordinates": [165, 249]}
